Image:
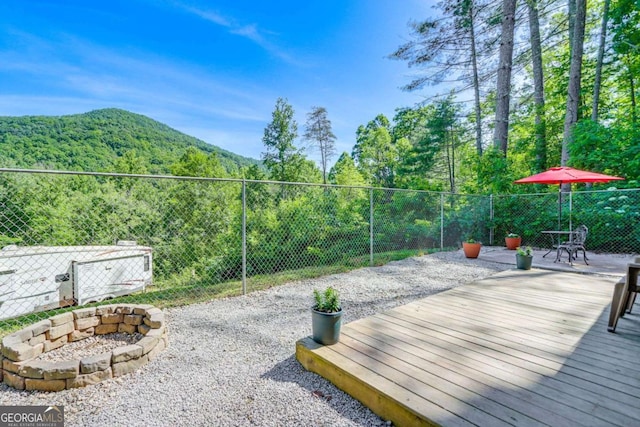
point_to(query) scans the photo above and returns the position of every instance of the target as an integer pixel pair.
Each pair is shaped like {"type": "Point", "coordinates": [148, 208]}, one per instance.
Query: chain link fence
{"type": "Point", "coordinates": [73, 239]}
{"type": "Point", "coordinates": [612, 217]}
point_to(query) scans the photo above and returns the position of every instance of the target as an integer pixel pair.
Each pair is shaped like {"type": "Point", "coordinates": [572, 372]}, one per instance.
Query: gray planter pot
{"type": "Point", "coordinates": [326, 326]}
{"type": "Point", "coordinates": [524, 262]}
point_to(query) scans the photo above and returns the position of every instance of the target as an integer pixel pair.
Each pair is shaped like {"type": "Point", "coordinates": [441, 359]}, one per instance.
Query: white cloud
{"type": "Point", "coordinates": [248, 31]}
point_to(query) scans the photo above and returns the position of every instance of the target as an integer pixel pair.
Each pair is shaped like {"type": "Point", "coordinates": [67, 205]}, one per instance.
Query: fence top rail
{"type": "Point", "coordinates": [197, 178]}
{"type": "Point", "coordinates": [310, 184]}
{"type": "Point", "coordinates": [555, 193]}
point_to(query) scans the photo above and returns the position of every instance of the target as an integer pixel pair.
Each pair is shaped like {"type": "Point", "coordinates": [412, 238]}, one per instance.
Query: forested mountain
{"type": "Point", "coordinates": [99, 141]}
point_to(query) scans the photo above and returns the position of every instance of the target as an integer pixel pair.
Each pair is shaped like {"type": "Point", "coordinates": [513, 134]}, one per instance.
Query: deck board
{"type": "Point", "coordinates": [524, 348]}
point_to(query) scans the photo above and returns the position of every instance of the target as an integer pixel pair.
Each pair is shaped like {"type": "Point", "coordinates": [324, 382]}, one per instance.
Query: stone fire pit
{"type": "Point", "coordinates": [22, 369]}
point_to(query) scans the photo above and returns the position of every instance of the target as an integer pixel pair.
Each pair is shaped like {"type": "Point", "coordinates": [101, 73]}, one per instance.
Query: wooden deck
{"type": "Point", "coordinates": [525, 348]}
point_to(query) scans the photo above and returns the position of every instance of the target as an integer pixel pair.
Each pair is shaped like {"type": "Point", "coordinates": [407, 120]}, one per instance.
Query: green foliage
{"type": "Point", "coordinates": [196, 163]}
{"type": "Point", "coordinates": [491, 171]}
{"type": "Point", "coordinates": [524, 251]}
{"type": "Point", "coordinates": [345, 172]}
{"type": "Point", "coordinates": [101, 140]}
{"type": "Point", "coordinates": [327, 301]}
{"type": "Point", "coordinates": [281, 157]}
{"type": "Point", "coordinates": [434, 134]}
{"type": "Point", "coordinates": [607, 149]}
{"type": "Point", "coordinates": [612, 219]}
{"type": "Point", "coordinates": [377, 155]}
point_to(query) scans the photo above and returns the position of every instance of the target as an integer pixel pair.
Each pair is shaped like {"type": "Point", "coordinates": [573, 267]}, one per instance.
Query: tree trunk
{"type": "Point", "coordinates": [476, 81]}
{"type": "Point", "coordinates": [633, 92]}
{"type": "Point", "coordinates": [449, 154]}
{"type": "Point", "coordinates": [571, 11]}
{"type": "Point", "coordinates": [598, 76]}
{"type": "Point", "coordinates": [538, 84]}
{"type": "Point", "coordinates": [575, 74]}
{"type": "Point", "coordinates": [503, 87]}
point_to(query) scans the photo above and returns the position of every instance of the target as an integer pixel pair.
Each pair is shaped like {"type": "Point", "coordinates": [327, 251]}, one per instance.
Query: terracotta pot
{"type": "Point", "coordinates": [471, 250]}
{"type": "Point", "coordinates": [513, 242]}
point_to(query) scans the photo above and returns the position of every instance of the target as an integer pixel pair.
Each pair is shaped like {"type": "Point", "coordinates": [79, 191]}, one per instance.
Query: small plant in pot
{"type": "Point", "coordinates": [471, 248]}
{"type": "Point", "coordinates": [512, 241]}
{"type": "Point", "coordinates": [326, 316]}
{"type": "Point", "coordinates": [524, 257]}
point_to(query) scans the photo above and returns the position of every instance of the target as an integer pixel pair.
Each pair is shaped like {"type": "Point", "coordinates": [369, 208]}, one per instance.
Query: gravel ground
{"type": "Point", "coordinates": [231, 362]}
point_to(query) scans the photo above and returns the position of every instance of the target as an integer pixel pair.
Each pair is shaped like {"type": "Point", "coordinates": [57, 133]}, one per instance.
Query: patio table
{"type": "Point", "coordinates": [556, 237]}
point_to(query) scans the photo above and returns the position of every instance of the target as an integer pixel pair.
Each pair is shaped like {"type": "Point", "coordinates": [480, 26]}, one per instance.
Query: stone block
{"type": "Point", "coordinates": [133, 319]}
{"type": "Point", "coordinates": [143, 329]}
{"type": "Point", "coordinates": [148, 343]}
{"type": "Point", "coordinates": [125, 353]}
{"type": "Point", "coordinates": [87, 322]}
{"type": "Point", "coordinates": [106, 309]}
{"type": "Point", "coordinates": [123, 368]}
{"type": "Point", "coordinates": [62, 370]}
{"type": "Point", "coordinates": [154, 321]}
{"type": "Point", "coordinates": [155, 333]}
{"type": "Point", "coordinates": [13, 380]}
{"type": "Point", "coordinates": [129, 329]}
{"type": "Point", "coordinates": [111, 318]}
{"type": "Point", "coordinates": [22, 351]}
{"type": "Point", "coordinates": [38, 339]}
{"type": "Point", "coordinates": [61, 319]}
{"type": "Point", "coordinates": [11, 366]}
{"type": "Point", "coordinates": [152, 310]}
{"type": "Point", "coordinates": [60, 330]}
{"type": "Point", "coordinates": [19, 337]}
{"type": "Point", "coordinates": [83, 313]}
{"type": "Point", "coordinates": [156, 350]}
{"type": "Point", "coordinates": [89, 379]}
{"type": "Point", "coordinates": [80, 335]}
{"type": "Point", "coordinates": [106, 329]}
{"type": "Point", "coordinates": [125, 309]}
{"type": "Point", "coordinates": [142, 308]}
{"type": "Point", "coordinates": [57, 343]}
{"type": "Point", "coordinates": [99, 362]}
{"type": "Point", "coordinates": [40, 328]}
{"type": "Point", "coordinates": [34, 369]}
{"type": "Point", "coordinates": [45, 385]}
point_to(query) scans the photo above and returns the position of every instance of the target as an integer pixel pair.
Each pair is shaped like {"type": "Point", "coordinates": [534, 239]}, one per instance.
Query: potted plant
{"type": "Point", "coordinates": [524, 257]}
{"type": "Point", "coordinates": [512, 240]}
{"type": "Point", "coordinates": [471, 248]}
{"type": "Point", "coordinates": [326, 316]}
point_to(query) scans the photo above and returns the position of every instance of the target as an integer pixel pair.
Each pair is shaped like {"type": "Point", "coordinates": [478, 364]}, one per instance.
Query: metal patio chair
{"type": "Point", "coordinates": [576, 243]}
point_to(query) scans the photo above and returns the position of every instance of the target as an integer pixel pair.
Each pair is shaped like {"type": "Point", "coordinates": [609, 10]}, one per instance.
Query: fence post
{"type": "Point", "coordinates": [441, 221]}
{"type": "Point", "coordinates": [244, 237]}
{"type": "Point", "coordinates": [371, 227]}
{"type": "Point", "coordinates": [491, 229]}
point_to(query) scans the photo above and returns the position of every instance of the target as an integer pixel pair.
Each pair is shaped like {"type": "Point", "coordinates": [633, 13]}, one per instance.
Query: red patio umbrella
{"type": "Point", "coordinates": [565, 175]}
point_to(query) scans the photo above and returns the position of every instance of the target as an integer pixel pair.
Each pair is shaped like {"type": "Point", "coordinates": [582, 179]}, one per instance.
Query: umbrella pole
{"type": "Point", "coordinates": [559, 207]}
{"type": "Point", "coordinates": [570, 211]}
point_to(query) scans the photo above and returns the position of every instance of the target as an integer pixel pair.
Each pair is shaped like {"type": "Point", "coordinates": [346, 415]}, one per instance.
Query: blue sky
{"type": "Point", "coordinates": [211, 69]}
